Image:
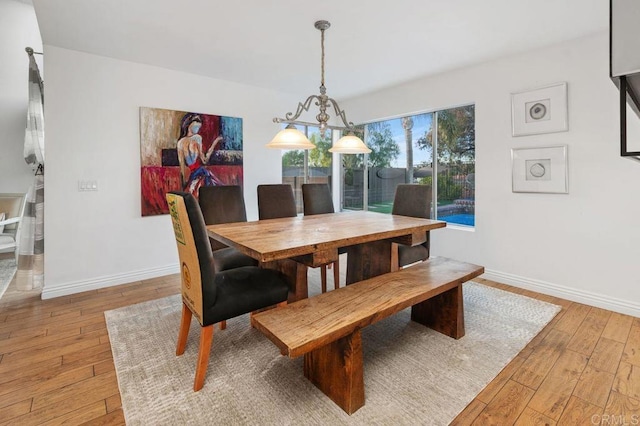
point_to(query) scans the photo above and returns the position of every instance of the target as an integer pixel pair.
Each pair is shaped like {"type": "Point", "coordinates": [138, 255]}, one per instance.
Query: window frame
{"type": "Point", "coordinates": [434, 161]}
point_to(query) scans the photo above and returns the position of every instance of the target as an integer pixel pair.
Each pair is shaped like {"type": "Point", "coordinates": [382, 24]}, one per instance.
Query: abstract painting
{"type": "Point", "coordinates": [183, 151]}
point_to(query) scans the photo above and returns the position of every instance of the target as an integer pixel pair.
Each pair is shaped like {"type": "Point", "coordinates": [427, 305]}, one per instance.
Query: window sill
{"type": "Point", "coordinates": [461, 227]}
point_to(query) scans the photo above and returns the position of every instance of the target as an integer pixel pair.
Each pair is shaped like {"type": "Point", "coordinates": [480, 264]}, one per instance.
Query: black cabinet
{"type": "Point", "coordinates": [624, 64]}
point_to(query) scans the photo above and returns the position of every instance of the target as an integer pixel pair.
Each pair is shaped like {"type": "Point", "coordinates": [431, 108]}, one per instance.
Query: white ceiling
{"type": "Point", "coordinates": [371, 43]}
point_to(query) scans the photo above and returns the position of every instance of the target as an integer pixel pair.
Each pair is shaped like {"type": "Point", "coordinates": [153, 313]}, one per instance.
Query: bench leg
{"type": "Point", "coordinates": [336, 369]}
{"type": "Point", "coordinates": [443, 313]}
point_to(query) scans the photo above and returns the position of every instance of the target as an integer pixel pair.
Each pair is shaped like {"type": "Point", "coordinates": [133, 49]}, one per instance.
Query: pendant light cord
{"type": "Point", "coordinates": [322, 57]}
{"type": "Point", "coordinates": [322, 88]}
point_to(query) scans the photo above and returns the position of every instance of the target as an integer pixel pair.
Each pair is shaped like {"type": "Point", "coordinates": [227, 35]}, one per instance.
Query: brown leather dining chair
{"type": "Point", "coordinates": [316, 199]}
{"type": "Point", "coordinates": [224, 204]}
{"type": "Point", "coordinates": [276, 201]}
{"type": "Point", "coordinates": [209, 295]}
{"type": "Point", "coordinates": [412, 200]}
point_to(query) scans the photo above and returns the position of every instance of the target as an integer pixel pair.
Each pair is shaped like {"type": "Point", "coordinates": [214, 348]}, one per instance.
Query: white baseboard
{"type": "Point", "coordinates": [107, 281]}
{"type": "Point", "coordinates": [588, 298]}
{"type": "Point", "coordinates": [580, 296]}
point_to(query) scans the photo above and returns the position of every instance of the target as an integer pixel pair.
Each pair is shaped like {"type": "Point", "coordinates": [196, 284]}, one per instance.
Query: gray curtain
{"type": "Point", "coordinates": [30, 273]}
{"type": "Point", "coordinates": [34, 135]}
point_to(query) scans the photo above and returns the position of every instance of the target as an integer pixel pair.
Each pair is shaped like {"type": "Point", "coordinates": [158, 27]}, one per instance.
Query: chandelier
{"type": "Point", "coordinates": [292, 138]}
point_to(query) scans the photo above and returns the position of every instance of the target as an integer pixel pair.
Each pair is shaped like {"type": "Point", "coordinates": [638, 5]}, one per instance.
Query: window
{"type": "Point", "coordinates": [308, 166]}
{"type": "Point", "coordinates": [421, 148]}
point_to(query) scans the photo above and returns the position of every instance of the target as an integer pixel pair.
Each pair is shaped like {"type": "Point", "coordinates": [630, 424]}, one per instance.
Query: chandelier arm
{"type": "Point", "coordinates": [302, 106]}
{"type": "Point", "coordinates": [340, 113]}
{"type": "Point", "coordinates": [310, 124]}
{"type": "Point", "coordinates": [291, 118]}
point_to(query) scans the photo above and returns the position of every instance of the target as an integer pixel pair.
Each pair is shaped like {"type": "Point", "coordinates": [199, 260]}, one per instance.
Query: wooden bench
{"type": "Point", "coordinates": [326, 328]}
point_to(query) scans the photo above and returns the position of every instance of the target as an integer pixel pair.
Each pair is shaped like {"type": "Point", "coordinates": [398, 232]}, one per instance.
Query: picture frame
{"type": "Point", "coordinates": [184, 150]}
{"type": "Point", "coordinates": [543, 110]}
{"type": "Point", "coordinates": [540, 170]}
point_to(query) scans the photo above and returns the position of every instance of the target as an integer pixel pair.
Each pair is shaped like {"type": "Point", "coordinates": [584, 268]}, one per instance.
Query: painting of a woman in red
{"type": "Point", "coordinates": [192, 160]}
{"type": "Point", "coordinates": [183, 151]}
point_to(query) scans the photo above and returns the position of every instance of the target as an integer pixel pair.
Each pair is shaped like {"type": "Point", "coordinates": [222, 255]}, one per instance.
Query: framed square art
{"type": "Point", "coordinates": [542, 110]}
{"type": "Point", "coordinates": [540, 170]}
{"type": "Point", "coordinates": [183, 151]}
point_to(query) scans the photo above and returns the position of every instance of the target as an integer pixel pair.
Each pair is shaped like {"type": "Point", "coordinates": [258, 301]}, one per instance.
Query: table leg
{"type": "Point", "coordinates": [337, 370]}
{"type": "Point", "coordinates": [368, 260]}
{"type": "Point", "coordinates": [296, 276]}
{"type": "Point", "coordinates": [443, 313]}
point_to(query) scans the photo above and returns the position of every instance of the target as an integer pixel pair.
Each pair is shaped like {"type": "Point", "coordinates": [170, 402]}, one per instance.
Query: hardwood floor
{"type": "Point", "coordinates": [56, 364]}
{"type": "Point", "coordinates": [582, 369]}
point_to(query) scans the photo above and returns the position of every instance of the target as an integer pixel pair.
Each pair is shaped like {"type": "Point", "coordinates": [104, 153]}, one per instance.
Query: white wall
{"type": "Point", "coordinates": [18, 29]}
{"type": "Point", "coordinates": [96, 239]}
{"type": "Point", "coordinates": [582, 246]}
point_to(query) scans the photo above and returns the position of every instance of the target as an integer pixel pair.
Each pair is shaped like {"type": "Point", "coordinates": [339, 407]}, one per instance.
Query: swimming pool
{"type": "Point", "coordinates": [460, 219]}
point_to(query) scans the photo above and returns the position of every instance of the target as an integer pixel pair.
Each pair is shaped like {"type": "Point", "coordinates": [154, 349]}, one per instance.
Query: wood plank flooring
{"type": "Point", "coordinates": [56, 364]}
{"type": "Point", "coordinates": [582, 369]}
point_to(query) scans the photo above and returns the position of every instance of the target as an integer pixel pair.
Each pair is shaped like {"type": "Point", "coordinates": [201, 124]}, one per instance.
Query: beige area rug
{"type": "Point", "coordinates": [7, 271]}
{"type": "Point", "coordinates": [413, 375]}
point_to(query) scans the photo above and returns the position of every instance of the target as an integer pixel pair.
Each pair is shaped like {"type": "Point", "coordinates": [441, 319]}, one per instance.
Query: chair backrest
{"type": "Point", "coordinates": [316, 198]}
{"type": "Point", "coordinates": [196, 258]}
{"type": "Point", "coordinates": [12, 205]}
{"type": "Point", "coordinates": [412, 200]}
{"type": "Point", "coordinates": [222, 204]}
{"type": "Point", "coordinates": [275, 201]}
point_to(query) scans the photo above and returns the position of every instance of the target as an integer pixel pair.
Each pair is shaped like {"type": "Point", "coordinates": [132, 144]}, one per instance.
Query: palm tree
{"type": "Point", "coordinates": [407, 125]}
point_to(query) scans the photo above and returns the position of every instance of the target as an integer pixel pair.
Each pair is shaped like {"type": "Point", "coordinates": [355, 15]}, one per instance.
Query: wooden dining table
{"type": "Point", "coordinates": [292, 244]}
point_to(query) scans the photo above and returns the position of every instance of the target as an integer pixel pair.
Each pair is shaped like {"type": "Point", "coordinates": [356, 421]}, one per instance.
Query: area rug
{"type": "Point", "coordinates": [8, 269]}
{"type": "Point", "coordinates": [412, 375]}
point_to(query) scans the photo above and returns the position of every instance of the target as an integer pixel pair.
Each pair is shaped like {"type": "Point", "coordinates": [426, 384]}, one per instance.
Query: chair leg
{"type": "Point", "coordinates": [206, 338]}
{"type": "Point", "coordinates": [336, 274]}
{"type": "Point", "coordinates": [395, 261]}
{"type": "Point", "coordinates": [323, 277]}
{"type": "Point", "coordinates": [223, 325]}
{"type": "Point", "coordinates": [185, 323]}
